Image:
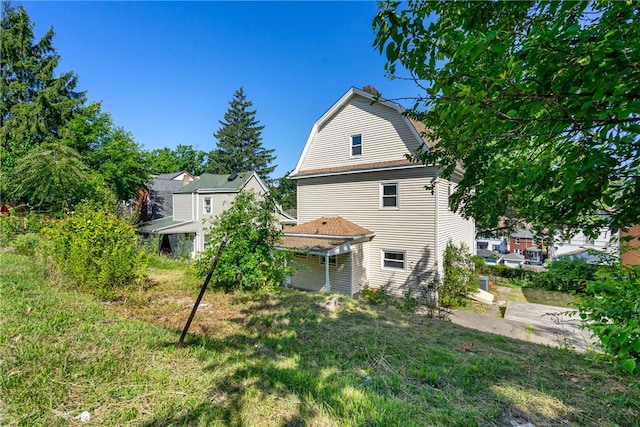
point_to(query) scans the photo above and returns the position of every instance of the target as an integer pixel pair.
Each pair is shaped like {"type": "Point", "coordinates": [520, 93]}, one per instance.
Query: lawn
{"type": "Point", "coordinates": [275, 359]}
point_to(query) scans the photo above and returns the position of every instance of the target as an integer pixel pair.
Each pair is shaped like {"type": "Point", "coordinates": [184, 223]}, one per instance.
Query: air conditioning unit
{"type": "Point", "coordinates": [483, 282]}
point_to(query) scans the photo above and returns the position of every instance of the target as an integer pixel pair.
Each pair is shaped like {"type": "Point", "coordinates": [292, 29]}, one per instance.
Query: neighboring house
{"type": "Point", "coordinates": [157, 198]}
{"type": "Point", "coordinates": [364, 215]}
{"type": "Point", "coordinates": [493, 243]}
{"type": "Point", "coordinates": [606, 242]}
{"type": "Point", "coordinates": [523, 242]}
{"type": "Point", "coordinates": [490, 257]}
{"type": "Point", "coordinates": [199, 201]}
{"type": "Point", "coordinates": [513, 260]}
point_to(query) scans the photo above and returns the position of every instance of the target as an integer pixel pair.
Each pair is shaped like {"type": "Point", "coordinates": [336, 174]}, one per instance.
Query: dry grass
{"type": "Point", "coordinates": [276, 358]}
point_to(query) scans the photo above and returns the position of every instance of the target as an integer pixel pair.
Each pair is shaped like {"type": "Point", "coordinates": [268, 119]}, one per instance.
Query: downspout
{"type": "Point", "coordinates": [327, 287]}
{"type": "Point", "coordinates": [435, 223]}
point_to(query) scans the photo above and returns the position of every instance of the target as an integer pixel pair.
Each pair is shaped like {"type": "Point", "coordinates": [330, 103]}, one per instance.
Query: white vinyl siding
{"type": "Point", "coordinates": [355, 197]}
{"type": "Point", "coordinates": [360, 266]}
{"type": "Point", "coordinates": [388, 137]}
{"type": "Point", "coordinates": [311, 276]}
{"type": "Point", "coordinates": [452, 226]}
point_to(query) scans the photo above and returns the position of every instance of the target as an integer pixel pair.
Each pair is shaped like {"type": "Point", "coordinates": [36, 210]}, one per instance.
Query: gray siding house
{"type": "Point", "coordinates": [364, 215]}
{"type": "Point", "coordinates": [197, 202]}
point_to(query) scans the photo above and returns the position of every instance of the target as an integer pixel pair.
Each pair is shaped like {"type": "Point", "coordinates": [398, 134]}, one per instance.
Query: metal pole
{"type": "Point", "coordinates": [204, 288]}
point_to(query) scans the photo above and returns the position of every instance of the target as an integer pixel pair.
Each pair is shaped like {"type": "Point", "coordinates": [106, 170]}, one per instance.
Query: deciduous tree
{"type": "Point", "coordinates": [538, 101]}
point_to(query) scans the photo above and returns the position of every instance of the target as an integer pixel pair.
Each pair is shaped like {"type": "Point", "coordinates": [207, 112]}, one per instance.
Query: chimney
{"type": "Point", "coordinates": [372, 90]}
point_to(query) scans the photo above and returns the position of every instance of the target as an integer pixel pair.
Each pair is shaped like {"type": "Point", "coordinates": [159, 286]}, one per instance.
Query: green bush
{"type": "Point", "coordinates": [16, 223]}
{"type": "Point", "coordinates": [566, 274]}
{"type": "Point", "coordinates": [98, 250]}
{"type": "Point", "coordinates": [460, 278]}
{"type": "Point", "coordinates": [506, 272]}
{"type": "Point", "coordinates": [249, 260]}
{"type": "Point", "coordinates": [611, 308]}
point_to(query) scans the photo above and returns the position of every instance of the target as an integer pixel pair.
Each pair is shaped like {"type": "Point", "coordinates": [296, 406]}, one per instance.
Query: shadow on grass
{"type": "Point", "coordinates": [296, 364]}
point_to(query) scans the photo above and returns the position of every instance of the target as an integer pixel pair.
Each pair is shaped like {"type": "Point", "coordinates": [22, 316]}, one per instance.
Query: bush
{"type": "Point", "coordinates": [16, 223]}
{"type": "Point", "coordinates": [611, 308]}
{"type": "Point", "coordinates": [98, 250]}
{"type": "Point", "coordinates": [460, 278]}
{"type": "Point", "coordinates": [249, 260]}
{"type": "Point", "coordinates": [566, 274]}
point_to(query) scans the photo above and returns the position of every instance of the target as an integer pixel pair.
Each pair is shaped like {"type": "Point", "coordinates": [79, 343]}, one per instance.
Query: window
{"type": "Point", "coordinates": [356, 145]}
{"type": "Point", "coordinates": [495, 247]}
{"type": "Point", "coordinates": [389, 195]}
{"type": "Point", "coordinates": [517, 240]}
{"type": "Point", "coordinates": [207, 205]}
{"type": "Point", "coordinates": [333, 260]}
{"type": "Point", "coordinates": [301, 255]}
{"type": "Point", "coordinates": [483, 245]}
{"type": "Point", "coordinates": [518, 251]}
{"type": "Point", "coordinates": [392, 259]}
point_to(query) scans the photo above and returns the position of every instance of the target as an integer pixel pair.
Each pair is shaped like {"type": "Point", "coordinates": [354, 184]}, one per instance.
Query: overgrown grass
{"type": "Point", "coordinates": [542, 296]}
{"type": "Point", "coordinates": [273, 359]}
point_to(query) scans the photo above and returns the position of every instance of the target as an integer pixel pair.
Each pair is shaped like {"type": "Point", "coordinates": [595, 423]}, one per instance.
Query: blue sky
{"type": "Point", "coordinates": [166, 71]}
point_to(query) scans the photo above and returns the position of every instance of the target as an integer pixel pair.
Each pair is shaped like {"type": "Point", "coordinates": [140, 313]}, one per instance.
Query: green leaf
{"type": "Point", "coordinates": [628, 365]}
{"type": "Point", "coordinates": [512, 113]}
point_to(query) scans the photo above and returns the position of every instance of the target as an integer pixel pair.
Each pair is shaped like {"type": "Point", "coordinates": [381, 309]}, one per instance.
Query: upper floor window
{"type": "Point", "coordinates": [389, 195]}
{"type": "Point", "coordinates": [356, 145]}
{"type": "Point", "coordinates": [483, 245]}
{"type": "Point", "coordinates": [517, 240]}
{"type": "Point", "coordinates": [207, 205]}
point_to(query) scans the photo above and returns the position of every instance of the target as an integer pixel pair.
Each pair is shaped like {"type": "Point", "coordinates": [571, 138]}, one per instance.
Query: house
{"type": "Point", "coordinates": [523, 242]}
{"type": "Point", "coordinates": [492, 242]}
{"type": "Point", "coordinates": [365, 217]}
{"type": "Point", "coordinates": [513, 260]}
{"type": "Point", "coordinates": [580, 244]}
{"type": "Point", "coordinates": [630, 251]}
{"type": "Point", "coordinates": [198, 202]}
{"type": "Point", "coordinates": [156, 201]}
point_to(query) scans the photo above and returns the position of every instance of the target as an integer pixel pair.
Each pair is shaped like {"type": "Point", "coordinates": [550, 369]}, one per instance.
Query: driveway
{"type": "Point", "coordinates": [537, 323]}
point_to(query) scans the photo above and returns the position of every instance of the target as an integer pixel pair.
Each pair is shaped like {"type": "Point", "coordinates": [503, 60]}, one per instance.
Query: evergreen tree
{"type": "Point", "coordinates": [44, 118]}
{"type": "Point", "coordinates": [240, 141]}
{"type": "Point", "coordinates": [35, 105]}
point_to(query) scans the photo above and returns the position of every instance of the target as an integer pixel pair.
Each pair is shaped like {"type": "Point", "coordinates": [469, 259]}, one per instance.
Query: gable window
{"type": "Point", "coordinates": [389, 195]}
{"type": "Point", "coordinates": [356, 145]}
{"type": "Point", "coordinates": [207, 205]}
{"type": "Point", "coordinates": [333, 260]}
{"type": "Point", "coordinates": [393, 259]}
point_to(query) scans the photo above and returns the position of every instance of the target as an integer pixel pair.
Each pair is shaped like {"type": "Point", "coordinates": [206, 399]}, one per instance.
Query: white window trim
{"type": "Point", "coordinates": [381, 196]}
{"type": "Point", "coordinates": [351, 155]}
{"type": "Point", "coordinates": [333, 260]}
{"type": "Point", "coordinates": [382, 258]}
{"type": "Point", "coordinates": [204, 205]}
{"type": "Point", "coordinates": [517, 240]}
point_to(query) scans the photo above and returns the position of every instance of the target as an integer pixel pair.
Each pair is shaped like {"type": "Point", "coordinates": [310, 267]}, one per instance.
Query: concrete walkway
{"type": "Point", "coordinates": [536, 323]}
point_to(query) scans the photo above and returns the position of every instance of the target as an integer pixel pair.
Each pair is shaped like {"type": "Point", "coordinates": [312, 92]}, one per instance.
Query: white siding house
{"type": "Point", "coordinates": [354, 167]}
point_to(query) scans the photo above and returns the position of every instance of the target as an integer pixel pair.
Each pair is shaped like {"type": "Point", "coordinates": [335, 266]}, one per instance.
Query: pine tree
{"type": "Point", "coordinates": [35, 104]}
{"type": "Point", "coordinates": [239, 138]}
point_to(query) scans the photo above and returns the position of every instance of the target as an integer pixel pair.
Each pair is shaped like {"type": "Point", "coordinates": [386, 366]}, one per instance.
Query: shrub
{"type": "Point", "coordinates": [16, 223]}
{"type": "Point", "coordinates": [460, 278]}
{"type": "Point", "coordinates": [566, 274]}
{"type": "Point", "coordinates": [98, 250]}
{"type": "Point", "coordinates": [611, 306]}
{"type": "Point", "coordinates": [249, 260]}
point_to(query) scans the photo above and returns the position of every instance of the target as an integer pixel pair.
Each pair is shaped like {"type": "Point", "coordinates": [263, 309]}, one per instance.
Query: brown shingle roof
{"type": "Point", "coordinates": [349, 168]}
{"type": "Point", "coordinates": [325, 226]}
{"type": "Point", "coordinates": [309, 244]}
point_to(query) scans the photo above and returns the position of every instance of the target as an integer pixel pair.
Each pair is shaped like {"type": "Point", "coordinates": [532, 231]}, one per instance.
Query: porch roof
{"type": "Point", "coordinates": [161, 226]}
